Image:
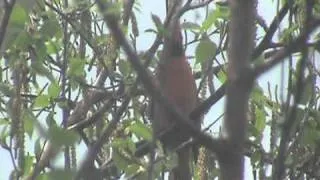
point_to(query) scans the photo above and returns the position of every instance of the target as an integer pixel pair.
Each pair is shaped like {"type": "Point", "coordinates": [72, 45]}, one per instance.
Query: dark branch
{"type": "Point", "coordinates": [294, 46]}
{"type": "Point", "coordinates": [8, 6]}
{"type": "Point", "coordinates": [264, 44]}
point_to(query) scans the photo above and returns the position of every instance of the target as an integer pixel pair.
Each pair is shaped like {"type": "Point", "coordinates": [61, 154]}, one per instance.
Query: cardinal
{"type": "Point", "coordinates": [176, 82]}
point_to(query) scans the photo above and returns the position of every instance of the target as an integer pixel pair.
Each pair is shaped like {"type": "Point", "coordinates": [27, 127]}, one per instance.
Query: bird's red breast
{"type": "Point", "coordinates": [178, 85]}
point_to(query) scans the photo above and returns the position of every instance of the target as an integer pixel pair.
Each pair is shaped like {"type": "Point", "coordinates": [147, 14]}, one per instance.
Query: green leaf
{"type": "Point", "coordinates": [4, 121]}
{"type": "Point", "coordinates": [5, 132]}
{"type": "Point", "coordinates": [41, 50]}
{"type": "Point", "coordinates": [42, 100]}
{"type": "Point", "coordinates": [310, 136]}
{"type": "Point", "coordinates": [23, 40]}
{"type": "Point", "coordinates": [255, 157]}
{"type": "Point", "coordinates": [60, 136]}
{"type": "Point", "coordinates": [150, 31]}
{"type": "Point", "coordinates": [212, 17]}
{"type": "Point", "coordinates": [53, 46]}
{"type": "Point", "coordinates": [220, 12]}
{"type": "Point", "coordinates": [6, 89]}
{"type": "Point", "coordinates": [205, 50]}
{"type": "Point", "coordinates": [39, 68]}
{"type": "Point", "coordinates": [260, 122]}
{"type": "Point", "coordinates": [141, 130]}
{"type": "Point", "coordinates": [43, 176]}
{"type": "Point", "coordinates": [114, 8]}
{"type": "Point", "coordinates": [258, 96]}
{"type": "Point", "coordinates": [16, 25]}
{"type": "Point", "coordinates": [253, 132]}
{"type": "Point", "coordinates": [76, 67]}
{"type": "Point", "coordinates": [132, 169]}
{"type": "Point", "coordinates": [156, 20]}
{"type": "Point", "coordinates": [119, 160]}
{"type": "Point", "coordinates": [223, 12]}
{"type": "Point", "coordinates": [124, 144]}
{"type": "Point", "coordinates": [51, 27]}
{"type": "Point", "coordinates": [288, 33]}
{"type": "Point", "coordinates": [28, 163]}
{"type": "Point", "coordinates": [124, 67]}
{"type": "Point", "coordinates": [19, 16]}
{"type": "Point", "coordinates": [222, 76]}
{"type": "Point", "coordinates": [54, 90]}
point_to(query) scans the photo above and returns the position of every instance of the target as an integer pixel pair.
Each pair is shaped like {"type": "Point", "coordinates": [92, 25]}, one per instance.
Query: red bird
{"type": "Point", "coordinates": [175, 80]}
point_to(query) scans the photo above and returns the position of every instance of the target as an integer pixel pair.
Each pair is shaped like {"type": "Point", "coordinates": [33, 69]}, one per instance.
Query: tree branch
{"type": "Point", "coordinates": [242, 33]}
{"type": "Point", "coordinates": [264, 44]}
{"type": "Point", "coordinates": [188, 6]}
{"type": "Point", "coordinates": [8, 6]}
{"type": "Point", "coordinates": [294, 46]}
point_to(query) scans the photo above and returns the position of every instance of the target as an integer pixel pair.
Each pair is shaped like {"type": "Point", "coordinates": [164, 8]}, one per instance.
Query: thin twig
{"type": "Point", "coordinates": [188, 6]}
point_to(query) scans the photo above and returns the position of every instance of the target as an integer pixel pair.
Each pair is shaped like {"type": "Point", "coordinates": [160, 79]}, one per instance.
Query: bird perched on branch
{"type": "Point", "coordinates": [175, 80]}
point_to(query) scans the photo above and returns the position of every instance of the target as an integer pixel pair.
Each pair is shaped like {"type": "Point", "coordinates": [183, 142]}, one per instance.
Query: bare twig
{"type": "Point", "coordinates": [95, 117]}
{"type": "Point", "coordinates": [148, 55]}
{"type": "Point", "coordinates": [188, 6]}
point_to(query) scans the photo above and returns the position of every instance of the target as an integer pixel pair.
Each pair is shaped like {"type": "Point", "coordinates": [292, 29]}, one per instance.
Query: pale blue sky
{"type": "Point", "coordinates": [157, 7]}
